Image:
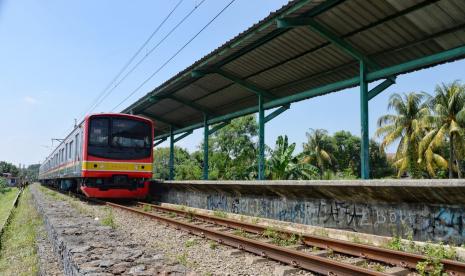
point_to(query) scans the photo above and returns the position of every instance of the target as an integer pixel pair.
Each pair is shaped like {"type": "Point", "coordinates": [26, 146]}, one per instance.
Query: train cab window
{"type": "Point", "coordinates": [98, 134]}
{"type": "Point", "coordinates": [130, 134]}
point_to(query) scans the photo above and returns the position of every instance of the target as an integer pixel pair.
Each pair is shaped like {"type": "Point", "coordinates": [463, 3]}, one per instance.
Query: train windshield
{"type": "Point", "coordinates": [119, 138]}
{"type": "Point", "coordinates": [130, 134]}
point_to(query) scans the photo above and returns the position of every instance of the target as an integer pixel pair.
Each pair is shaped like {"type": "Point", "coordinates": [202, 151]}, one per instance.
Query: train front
{"type": "Point", "coordinates": [117, 156]}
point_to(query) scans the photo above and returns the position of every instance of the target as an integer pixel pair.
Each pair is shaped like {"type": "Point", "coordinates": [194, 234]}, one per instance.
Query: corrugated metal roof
{"type": "Point", "coordinates": [287, 61]}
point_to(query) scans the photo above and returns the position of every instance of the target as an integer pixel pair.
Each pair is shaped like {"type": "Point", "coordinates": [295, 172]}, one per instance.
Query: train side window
{"type": "Point", "coordinates": [76, 151]}
{"type": "Point", "coordinates": [70, 150]}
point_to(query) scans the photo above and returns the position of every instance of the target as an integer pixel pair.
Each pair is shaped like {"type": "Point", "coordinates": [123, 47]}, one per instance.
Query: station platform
{"type": "Point", "coordinates": [429, 210]}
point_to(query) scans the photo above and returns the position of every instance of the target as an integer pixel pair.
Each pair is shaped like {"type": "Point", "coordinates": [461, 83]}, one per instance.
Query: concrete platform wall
{"type": "Point", "coordinates": [430, 209]}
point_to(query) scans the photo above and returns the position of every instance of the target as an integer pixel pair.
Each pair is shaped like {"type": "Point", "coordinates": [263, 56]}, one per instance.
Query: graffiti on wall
{"type": "Point", "coordinates": [423, 221]}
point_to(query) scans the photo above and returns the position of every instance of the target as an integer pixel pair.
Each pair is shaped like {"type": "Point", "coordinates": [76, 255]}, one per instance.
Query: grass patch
{"type": "Point", "coordinates": [241, 233]}
{"type": "Point", "coordinates": [190, 243]}
{"type": "Point", "coordinates": [109, 219]}
{"type": "Point", "coordinates": [182, 259]}
{"type": "Point", "coordinates": [6, 202]}
{"type": "Point", "coordinates": [379, 267]}
{"type": "Point", "coordinates": [181, 208]}
{"type": "Point", "coordinates": [147, 208]}
{"type": "Point", "coordinates": [18, 255]}
{"type": "Point", "coordinates": [52, 194]}
{"type": "Point", "coordinates": [280, 238]}
{"type": "Point", "coordinates": [73, 201]}
{"type": "Point", "coordinates": [213, 245]}
{"type": "Point", "coordinates": [434, 254]}
{"type": "Point", "coordinates": [220, 214]}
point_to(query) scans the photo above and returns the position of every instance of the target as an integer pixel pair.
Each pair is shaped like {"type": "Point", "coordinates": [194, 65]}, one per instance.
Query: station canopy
{"type": "Point", "coordinates": [303, 50]}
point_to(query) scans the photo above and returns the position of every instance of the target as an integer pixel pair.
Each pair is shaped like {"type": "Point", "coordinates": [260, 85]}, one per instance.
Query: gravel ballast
{"type": "Point", "coordinates": [86, 247]}
{"type": "Point", "coordinates": [178, 248]}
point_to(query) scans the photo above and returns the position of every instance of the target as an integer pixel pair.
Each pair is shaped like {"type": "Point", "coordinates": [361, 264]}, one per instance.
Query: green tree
{"type": "Point", "coordinates": [318, 150]}
{"type": "Point", "coordinates": [31, 172]}
{"type": "Point", "coordinates": [283, 165]}
{"type": "Point", "coordinates": [405, 127]}
{"type": "Point", "coordinates": [379, 164]}
{"type": "Point", "coordinates": [448, 120]}
{"type": "Point", "coordinates": [6, 167]}
{"type": "Point", "coordinates": [233, 151]}
{"type": "Point", "coordinates": [347, 156]}
{"type": "Point", "coordinates": [347, 152]}
{"type": "Point", "coordinates": [185, 167]}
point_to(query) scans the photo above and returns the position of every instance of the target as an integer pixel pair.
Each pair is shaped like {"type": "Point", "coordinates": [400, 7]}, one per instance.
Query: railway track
{"type": "Point", "coordinates": [398, 259]}
{"type": "Point", "coordinates": [313, 253]}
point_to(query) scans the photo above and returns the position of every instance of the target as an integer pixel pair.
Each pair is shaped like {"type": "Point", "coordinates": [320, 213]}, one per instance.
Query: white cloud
{"type": "Point", "coordinates": [30, 100]}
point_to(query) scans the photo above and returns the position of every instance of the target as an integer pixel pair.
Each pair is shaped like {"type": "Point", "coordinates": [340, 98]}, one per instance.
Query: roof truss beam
{"type": "Point", "coordinates": [188, 103]}
{"type": "Point", "coordinates": [159, 142]}
{"type": "Point", "coordinates": [237, 80]}
{"type": "Point", "coordinates": [187, 133]}
{"type": "Point", "coordinates": [323, 7]}
{"type": "Point", "coordinates": [327, 34]}
{"type": "Point", "coordinates": [313, 12]}
{"type": "Point", "coordinates": [276, 113]}
{"type": "Point", "coordinates": [218, 127]}
{"type": "Point", "coordinates": [380, 88]}
{"type": "Point", "coordinates": [158, 118]}
{"type": "Point", "coordinates": [330, 36]}
{"type": "Point", "coordinates": [329, 88]}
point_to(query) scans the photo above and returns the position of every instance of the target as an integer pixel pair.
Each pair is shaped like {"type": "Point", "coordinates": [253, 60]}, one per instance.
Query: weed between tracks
{"type": "Point", "coordinates": [280, 238]}
{"type": "Point", "coordinates": [147, 208]}
{"type": "Point", "coordinates": [220, 214]}
{"type": "Point", "coordinates": [242, 233]}
{"type": "Point", "coordinates": [434, 253]}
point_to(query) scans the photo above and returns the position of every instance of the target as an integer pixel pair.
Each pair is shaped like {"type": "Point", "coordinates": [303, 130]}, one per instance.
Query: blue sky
{"type": "Point", "coordinates": [57, 56]}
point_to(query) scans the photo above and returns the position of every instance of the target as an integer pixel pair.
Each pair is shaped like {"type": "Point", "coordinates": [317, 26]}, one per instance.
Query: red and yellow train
{"type": "Point", "coordinates": [108, 155]}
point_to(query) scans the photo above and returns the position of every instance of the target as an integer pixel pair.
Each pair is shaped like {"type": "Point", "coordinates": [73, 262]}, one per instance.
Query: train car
{"type": "Point", "coordinates": [108, 155]}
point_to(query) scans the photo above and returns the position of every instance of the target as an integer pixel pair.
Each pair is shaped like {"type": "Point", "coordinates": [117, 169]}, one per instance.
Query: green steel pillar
{"type": "Point", "coordinates": [261, 138]}
{"type": "Point", "coordinates": [171, 162]}
{"type": "Point", "coordinates": [205, 147]}
{"type": "Point", "coordinates": [364, 154]}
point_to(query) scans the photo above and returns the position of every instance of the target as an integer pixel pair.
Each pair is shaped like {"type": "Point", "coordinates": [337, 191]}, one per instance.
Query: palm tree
{"type": "Point", "coordinates": [317, 150]}
{"type": "Point", "coordinates": [406, 128]}
{"type": "Point", "coordinates": [448, 120]}
{"type": "Point", "coordinates": [283, 165]}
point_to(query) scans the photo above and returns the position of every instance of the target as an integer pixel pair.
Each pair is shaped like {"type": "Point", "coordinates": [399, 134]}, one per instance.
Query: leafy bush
{"type": "Point", "coordinates": [4, 186]}
{"type": "Point", "coordinates": [434, 255]}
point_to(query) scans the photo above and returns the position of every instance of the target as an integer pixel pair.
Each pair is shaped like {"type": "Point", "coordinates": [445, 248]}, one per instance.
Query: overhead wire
{"type": "Point", "coordinates": [150, 52]}
{"type": "Point", "coordinates": [173, 56]}
{"type": "Point", "coordinates": [99, 98]}
{"type": "Point", "coordinates": [133, 57]}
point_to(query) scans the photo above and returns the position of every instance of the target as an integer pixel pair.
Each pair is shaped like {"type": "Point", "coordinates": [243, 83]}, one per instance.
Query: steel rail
{"type": "Point", "coordinates": [292, 257]}
{"type": "Point", "coordinates": [393, 257]}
